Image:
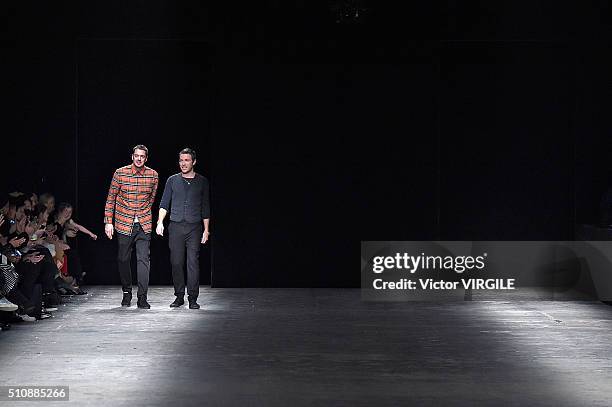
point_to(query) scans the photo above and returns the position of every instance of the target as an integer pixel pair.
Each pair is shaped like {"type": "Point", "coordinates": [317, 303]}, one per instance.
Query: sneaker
{"type": "Point", "coordinates": [44, 315]}
{"type": "Point", "coordinates": [6, 305]}
{"type": "Point", "coordinates": [27, 318]}
{"type": "Point", "coordinates": [49, 309]}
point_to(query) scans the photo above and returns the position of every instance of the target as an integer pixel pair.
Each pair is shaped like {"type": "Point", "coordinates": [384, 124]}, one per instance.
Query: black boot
{"type": "Point", "coordinates": [127, 299]}
{"type": "Point", "coordinates": [142, 302]}
{"type": "Point", "coordinates": [192, 303]}
{"type": "Point", "coordinates": [180, 300]}
{"type": "Point", "coordinates": [51, 299]}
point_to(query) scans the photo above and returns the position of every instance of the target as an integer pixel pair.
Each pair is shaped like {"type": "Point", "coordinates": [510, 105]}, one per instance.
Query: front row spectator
{"type": "Point", "coordinates": [66, 229]}
{"type": "Point", "coordinates": [9, 285]}
{"type": "Point", "coordinates": [38, 256]}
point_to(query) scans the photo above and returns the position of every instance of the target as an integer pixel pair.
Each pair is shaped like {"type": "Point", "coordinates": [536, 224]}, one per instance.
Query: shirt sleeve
{"type": "Point", "coordinates": [153, 191]}
{"type": "Point", "coordinates": [205, 200]}
{"type": "Point", "coordinates": [109, 207]}
{"type": "Point", "coordinates": [167, 195]}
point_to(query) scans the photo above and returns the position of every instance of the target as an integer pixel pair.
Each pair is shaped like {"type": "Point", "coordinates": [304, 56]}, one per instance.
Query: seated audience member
{"type": "Point", "coordinates": [66, 226]}
{"type": "Point", "coordinates": [33, 198]}
{"type": "Point", "coordinates": [66, 229]}
{"type": "Point", "coordinates": [4, 204]}
{"type": "Point", "coordinates": [14, 213]}
{"type": "Point", "coordinates": [48, 201]}
{"type": "Point", "coordinates": [10, 281]}
{"type": "Point", "coordinates": [39, 267]}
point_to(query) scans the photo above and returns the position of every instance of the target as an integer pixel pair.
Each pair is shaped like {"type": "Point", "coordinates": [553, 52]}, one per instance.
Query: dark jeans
{"type": "Point", "coordinates": [141, 240]}
{"type": "Point", "coordinates": [185, 237]}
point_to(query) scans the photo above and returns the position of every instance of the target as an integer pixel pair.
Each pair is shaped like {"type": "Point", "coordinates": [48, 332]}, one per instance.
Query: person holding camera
{"type": "Point", "coordinates": [188, 195]}
{"type": "Point", "coordinates": [128, 211]}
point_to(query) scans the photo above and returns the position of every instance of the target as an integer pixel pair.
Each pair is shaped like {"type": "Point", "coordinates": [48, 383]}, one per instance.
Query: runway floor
{"type": "Point", "coordinates": [316, 347]}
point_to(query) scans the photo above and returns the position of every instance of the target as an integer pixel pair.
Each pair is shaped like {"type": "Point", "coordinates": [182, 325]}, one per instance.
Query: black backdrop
{"type": "Point", "coordinates": [151, 92]}
{"type": "Point", "coordinates": [441, 121]}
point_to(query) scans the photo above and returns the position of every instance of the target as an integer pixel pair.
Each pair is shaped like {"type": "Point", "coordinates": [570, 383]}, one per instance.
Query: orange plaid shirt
{"type": "Point", "coordinates": [131, 194]}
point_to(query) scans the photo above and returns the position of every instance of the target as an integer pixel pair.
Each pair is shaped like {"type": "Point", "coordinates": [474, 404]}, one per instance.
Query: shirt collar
{"type": "Point", "coordinates": [135, 170]}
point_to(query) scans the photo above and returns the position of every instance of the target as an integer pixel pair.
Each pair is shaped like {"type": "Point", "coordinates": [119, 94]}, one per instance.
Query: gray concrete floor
{"type": "Point", "coordinates": [316, 347]}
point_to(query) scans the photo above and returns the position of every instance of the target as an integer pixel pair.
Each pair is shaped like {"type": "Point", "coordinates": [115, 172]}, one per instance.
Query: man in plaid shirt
{"type": "Point", "coordinates": [129, 202]}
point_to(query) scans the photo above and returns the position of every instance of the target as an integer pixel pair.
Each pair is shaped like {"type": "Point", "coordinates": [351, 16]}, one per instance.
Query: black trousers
{"type": "Point", "coordinates": [185, 238]}
{"type": "Point", "coordinates": [142, 241]}
{"type": "Point", "coordinates": [30, 274]}
{"type": "Point", "coordinates": [75, 269]}
{"type": "Point", "coordinates": [29, 304]}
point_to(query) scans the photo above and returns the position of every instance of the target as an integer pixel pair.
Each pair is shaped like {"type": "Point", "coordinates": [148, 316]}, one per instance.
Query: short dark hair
{"type": "Point", "coordinates": [141, 147]}
{"type": "Point", "coordinates": [189, 151]}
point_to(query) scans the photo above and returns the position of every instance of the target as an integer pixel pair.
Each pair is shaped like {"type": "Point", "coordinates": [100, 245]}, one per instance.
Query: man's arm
{"type": "Point", "coordinates": [164, 205]}
{"type": "Point", "coordinates": [83, 229]}
{"type": "Point", "coordinates": [205, 211]}
{"type": "Point", "coordinates": [109, 207]}
{"type": "Point", "coordinates": [153, 192]}
{"type": "Point", "coordinates": [160, 221]}
{"type": "Point", "coordinates": [206, 232]}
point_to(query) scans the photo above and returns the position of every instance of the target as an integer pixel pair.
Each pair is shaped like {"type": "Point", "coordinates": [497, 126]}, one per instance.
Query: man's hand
{"type": "Point", "coordinates": [109, 230]}
{"type": "Point", "coordinates": [160, 229]}
{"type": "Point", "coordinates": [16, 242]}
{"type": "Point", "coordinates": [93, 236]}
{"type": "Point", "coordinates": [205, 236]}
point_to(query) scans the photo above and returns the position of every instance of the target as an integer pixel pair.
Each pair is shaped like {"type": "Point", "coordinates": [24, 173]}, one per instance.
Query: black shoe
{"type": "Point", "coordinates": [178, 302]}
{"type": "Point", "coordinates": [51, 299]}
{"type": "Point", "coordinates": [127, 299]}
{"type": "Point", "coordinates": [193, 304]}
{"type": "Point", "coordinates": [25, 310]}
{"type": "Point", "coordinates": [142, 302]}
{"type": "Point", "coordinates": [43, 315]}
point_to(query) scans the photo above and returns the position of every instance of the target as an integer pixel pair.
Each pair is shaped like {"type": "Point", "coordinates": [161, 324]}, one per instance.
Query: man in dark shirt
{"type": "Point", "coordinates": [186, 193]}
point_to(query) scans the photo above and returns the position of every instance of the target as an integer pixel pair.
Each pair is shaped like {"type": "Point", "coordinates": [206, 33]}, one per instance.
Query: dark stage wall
{"type": "Point", "coordinates": [316, 137]}
{"type": "Point", "coordinates": [152, 92]}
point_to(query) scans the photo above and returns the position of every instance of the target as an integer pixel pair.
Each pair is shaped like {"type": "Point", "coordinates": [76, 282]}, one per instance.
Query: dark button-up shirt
{"type": "Point", "coordinates": [187, 199]}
